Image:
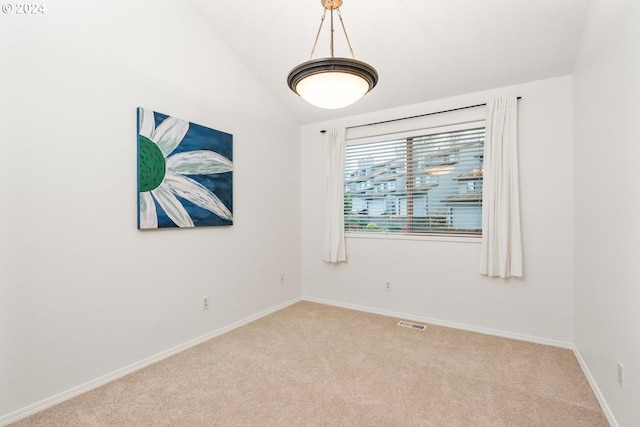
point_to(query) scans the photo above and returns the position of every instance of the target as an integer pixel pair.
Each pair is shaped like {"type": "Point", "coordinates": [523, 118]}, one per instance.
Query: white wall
{"type": "Point", "coordinates": [83, 293]}
{"type": "Point", "coordinates": [607, 202]}
{"type": "Point", "coordinates": [440, 280]}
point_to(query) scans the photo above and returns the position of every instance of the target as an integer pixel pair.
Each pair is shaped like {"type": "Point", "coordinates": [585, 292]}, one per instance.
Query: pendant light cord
{"type": "Point", "coordinates": [331, 43]}
{"type": "Point", "coordinates": [344, 30]}
{"type": "Point", "coordinates": [315, 43]}
{"type": "Point", "coordinates": [345, 34]}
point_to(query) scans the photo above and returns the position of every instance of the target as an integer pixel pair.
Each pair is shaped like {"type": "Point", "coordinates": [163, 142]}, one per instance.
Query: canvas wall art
{"type": "Point", "coordinates": [185, 173]}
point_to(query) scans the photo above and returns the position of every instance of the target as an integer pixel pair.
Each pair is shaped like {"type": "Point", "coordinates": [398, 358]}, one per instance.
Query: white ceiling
{"type": "Point", "coordinates": [423, 49]}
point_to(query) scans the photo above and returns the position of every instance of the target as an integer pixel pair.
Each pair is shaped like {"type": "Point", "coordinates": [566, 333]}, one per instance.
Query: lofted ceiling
{"type": "Point", "coordinates": [423, 49]}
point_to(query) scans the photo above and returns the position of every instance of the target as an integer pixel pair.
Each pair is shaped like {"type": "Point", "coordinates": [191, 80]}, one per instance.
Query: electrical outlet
{"type": "Point", "coordinates": [621, 375]}
{"type": "Point", "coordinates": [387, 286]}
{"type": "Point", "coordinates": [282, 278]}
{"type": "Point", "coordinates": [205, 303]}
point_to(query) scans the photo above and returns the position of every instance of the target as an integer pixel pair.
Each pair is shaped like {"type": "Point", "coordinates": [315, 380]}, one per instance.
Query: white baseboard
{"type": "Point", "coordinates": [83, 388]}
{"type": "Point", "coordinates": [454, 325]}
{"type": "Point", "coordinates": [596, 390]}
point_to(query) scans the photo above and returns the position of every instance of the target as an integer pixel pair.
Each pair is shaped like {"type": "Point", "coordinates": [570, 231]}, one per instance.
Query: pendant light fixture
{"type": "Point", "coordinates": [332, 82]}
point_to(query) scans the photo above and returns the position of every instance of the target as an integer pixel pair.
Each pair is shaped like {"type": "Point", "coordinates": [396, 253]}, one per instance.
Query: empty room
{"type": "Point", "coordinates": [320, 212]}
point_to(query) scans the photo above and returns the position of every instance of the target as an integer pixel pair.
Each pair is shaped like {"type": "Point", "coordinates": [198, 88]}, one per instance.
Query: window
{"type": "Point", "coordinates": [429, 183]}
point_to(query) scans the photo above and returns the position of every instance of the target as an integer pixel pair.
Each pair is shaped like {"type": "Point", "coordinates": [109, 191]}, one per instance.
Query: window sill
{"type": "Point", "coordinates": [421, 237]}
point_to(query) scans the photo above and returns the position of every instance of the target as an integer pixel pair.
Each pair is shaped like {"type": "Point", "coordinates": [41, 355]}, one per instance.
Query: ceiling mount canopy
{"type": "Point", "coordinates": [332, 82]}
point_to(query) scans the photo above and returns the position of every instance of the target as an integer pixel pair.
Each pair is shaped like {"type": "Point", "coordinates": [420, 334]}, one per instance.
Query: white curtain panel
{"type": "Point", "coordinates": [501, 238]}
{"type": "Point", "coordinates": [334, 248]}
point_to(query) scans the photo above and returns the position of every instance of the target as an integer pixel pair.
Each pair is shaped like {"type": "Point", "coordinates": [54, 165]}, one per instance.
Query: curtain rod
{"type": "Point", "coordinates": [414, 117]}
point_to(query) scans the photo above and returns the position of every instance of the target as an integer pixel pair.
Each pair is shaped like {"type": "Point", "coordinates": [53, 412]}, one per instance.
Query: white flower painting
{"type": "Point", "coordinates": [185, 173]}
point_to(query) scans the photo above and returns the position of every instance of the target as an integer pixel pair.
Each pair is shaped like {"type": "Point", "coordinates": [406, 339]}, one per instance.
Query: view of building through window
{"type": "Point", "coordinates": [427, 184]}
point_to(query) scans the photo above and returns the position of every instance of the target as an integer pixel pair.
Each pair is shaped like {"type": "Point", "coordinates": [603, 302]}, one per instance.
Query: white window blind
{"type": "Point", "coordinates": [423, 182]}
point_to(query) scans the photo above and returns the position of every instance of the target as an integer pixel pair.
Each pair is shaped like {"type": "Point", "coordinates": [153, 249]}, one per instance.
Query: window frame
{"type": "Point", "coordinates": [419, 128]}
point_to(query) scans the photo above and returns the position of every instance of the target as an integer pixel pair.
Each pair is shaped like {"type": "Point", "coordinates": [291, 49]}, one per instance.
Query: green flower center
{"type": "Point", "coordinates": [151, 165]}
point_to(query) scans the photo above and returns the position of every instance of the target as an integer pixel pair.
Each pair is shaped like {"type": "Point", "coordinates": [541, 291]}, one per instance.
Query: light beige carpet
{"type": "Point", "coordinates": [316, 365]}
